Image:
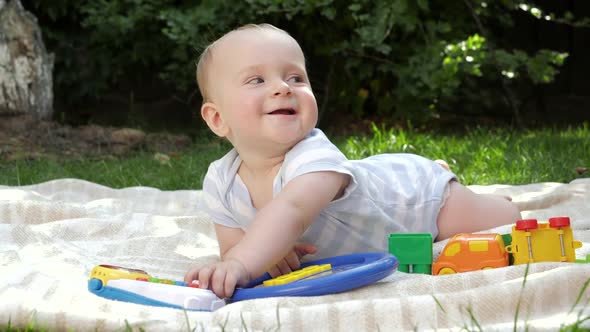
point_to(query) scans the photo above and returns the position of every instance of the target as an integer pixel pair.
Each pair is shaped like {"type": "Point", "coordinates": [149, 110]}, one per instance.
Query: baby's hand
{"type": "Point", "coordinates": [221, 277]}
{"type": "Point", "coordinates": [291, 261]}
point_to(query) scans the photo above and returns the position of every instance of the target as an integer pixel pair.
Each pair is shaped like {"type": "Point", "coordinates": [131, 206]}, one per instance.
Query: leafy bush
{"type": "Point", "coordinates": [397, 59]}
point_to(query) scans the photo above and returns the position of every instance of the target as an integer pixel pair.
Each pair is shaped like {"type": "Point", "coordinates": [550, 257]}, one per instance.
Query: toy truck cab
{"type": "Point", "coordinates": [469, 252]}
{"type": "Point", "coordinates": [543, 242]}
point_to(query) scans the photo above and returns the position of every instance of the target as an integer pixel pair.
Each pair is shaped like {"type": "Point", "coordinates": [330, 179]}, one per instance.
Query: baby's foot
{"type": "Point", "coordinates": [443, 164]}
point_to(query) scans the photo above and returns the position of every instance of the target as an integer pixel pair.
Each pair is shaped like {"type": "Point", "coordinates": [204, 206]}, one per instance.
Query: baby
{"type": "Point", "coordinates": [285, 191]}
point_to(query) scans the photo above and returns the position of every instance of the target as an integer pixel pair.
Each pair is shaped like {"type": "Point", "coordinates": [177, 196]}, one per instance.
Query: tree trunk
{"type": "Point", "coordinates": [26, 85]}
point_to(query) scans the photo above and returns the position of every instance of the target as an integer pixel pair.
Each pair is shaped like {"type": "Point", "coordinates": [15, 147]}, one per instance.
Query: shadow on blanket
{"type": "Point", "coordinates": [53, 233]}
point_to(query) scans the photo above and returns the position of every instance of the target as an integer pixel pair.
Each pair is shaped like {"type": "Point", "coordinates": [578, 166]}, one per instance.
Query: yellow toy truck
{"type": "Point", "coordinates": [543, 242]}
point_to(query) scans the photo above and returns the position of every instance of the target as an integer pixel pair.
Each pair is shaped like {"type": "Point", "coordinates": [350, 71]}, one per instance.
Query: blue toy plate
{"type": "Point", "coordinates": [348, 272]}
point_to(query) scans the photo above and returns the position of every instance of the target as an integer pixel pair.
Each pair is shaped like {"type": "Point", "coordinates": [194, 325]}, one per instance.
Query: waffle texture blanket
{"type": "Point", "coordinates": [52, 234]}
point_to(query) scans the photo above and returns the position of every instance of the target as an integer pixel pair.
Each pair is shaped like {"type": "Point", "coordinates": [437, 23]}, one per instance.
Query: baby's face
{"type": "Point", "coordinates": [260, 86]}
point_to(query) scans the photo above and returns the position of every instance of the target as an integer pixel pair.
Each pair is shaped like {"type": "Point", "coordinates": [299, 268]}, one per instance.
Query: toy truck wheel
{"type": "Point", "coordinates": [525, 224]}
{"type": "Point", "coordinates": [558, 222]}
{"type": "Point", "coordinates": [446, 270]}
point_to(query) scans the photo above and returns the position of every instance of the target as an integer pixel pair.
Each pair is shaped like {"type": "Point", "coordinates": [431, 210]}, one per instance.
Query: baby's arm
{"type": "Point", "coordinates": [228, 237]}
{"type": "Point", "coordinates": [274, 231]}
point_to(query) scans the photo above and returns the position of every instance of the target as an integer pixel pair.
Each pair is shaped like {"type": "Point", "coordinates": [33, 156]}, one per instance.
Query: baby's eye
{"type": "Point", "coordinates": [255, 80]}
{"type": "Point", "coordinates": [295, 79]}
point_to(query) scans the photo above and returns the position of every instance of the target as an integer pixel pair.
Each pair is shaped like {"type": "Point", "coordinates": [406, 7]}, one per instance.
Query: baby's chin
{"type": "Point", "coordinates": [276, 145]}
{"type": "Point", "coordinates": [291, 138]}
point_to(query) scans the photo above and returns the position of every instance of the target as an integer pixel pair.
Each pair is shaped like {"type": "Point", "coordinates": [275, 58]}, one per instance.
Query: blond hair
{"type": "Point", "coordinates": [202, 73]}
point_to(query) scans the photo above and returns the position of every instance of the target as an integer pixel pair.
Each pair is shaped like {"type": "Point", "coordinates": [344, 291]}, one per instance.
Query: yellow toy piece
{"type": "Point", "coordinates": [543, 242]}
{"type": "Point", "coordinates": [105, 273]}
{"type": "Point", "coordinates": [297, 275]}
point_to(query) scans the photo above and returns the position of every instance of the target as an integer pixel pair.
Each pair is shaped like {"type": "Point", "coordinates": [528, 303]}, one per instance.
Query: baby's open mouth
{"type": "Point", "coordinates": [283, 111]}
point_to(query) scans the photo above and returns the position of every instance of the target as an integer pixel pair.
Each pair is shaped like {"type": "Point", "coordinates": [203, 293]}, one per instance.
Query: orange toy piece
{"type": "Point", "coordinates": [470, 252]}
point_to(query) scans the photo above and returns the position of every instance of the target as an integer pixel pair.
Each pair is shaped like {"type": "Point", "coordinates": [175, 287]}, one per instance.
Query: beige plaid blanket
{"type": "Point", "coordinates": [52, 234]}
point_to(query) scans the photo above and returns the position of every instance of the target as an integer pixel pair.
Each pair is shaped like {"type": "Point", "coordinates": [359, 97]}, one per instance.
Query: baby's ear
{"type": "Point", "coordinates": [211, 115]}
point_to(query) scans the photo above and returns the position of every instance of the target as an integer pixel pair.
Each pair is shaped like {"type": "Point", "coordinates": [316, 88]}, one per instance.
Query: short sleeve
{"type": "Point", "coordinates": [214, 199]}
{"type": "Point", "coordinates": [316, 154]}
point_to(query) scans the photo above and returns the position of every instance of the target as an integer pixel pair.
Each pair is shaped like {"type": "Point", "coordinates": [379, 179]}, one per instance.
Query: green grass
{"type": "Point", "coordinates": [488, 156]}
{"type": "Point", "coordinates": [479, 156]}
{"type": "Point", "coordinates": [181, 171]}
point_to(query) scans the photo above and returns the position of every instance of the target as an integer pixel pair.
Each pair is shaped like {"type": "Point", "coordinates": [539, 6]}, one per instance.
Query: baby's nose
{"type": "Point", "coordinates": [282, 88]}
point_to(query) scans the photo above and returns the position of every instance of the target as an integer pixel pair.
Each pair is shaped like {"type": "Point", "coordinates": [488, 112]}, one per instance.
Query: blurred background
{"type": "Point", "coordinates": [105, 90]}
{"type": "Point", "coordinates": [436, 64]}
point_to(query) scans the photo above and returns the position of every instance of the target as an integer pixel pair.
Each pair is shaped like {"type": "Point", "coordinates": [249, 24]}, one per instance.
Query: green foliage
{"type": "Point", "coordinates": [396, 58]}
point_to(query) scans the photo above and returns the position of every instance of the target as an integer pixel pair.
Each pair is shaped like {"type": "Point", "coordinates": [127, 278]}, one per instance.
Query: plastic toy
{"type": "Point", "coordinates": [471, 252]}
{"type": "Point", "coordinates": [528, 242]}
{"type": "Point", "coordinates": [347, 272]}
{"type": "Point", "coordinates": [320, 277]}
{"type": "Point", "coordinates": [137, 286]}
{"type": "Point", "coordinates": [543, 242]}
{"type": "Point", "coordinates": [312, 270]}
{"type": "Point", "coordinates": [413, 251]}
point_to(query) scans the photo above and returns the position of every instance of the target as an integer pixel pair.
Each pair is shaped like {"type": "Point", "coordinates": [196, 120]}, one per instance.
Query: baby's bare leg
{"type": "Point", "coordinates": [466, 212]}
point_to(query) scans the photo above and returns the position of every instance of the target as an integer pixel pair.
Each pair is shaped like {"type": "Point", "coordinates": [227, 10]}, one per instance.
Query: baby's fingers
{"type": "Point", "coordinates": [290, 263]}
{"type": "Point", "coordinates": [205, 275]}
{"type": "Point", "coordinates": [218, 282]}
{"type": "Point", "coordinates": [192, 274]}
{"type": "Point", "coordinates": [231, 280]}
{"type": "Point", "coordinates": [303, 249]}
{"type": "Point", "coordinates": [274, 271]}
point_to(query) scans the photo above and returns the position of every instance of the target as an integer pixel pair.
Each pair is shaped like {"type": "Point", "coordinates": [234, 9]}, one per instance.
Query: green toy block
{"type": "Point", "coordinates": [507, 239]}
{"type": "Point", "coordinates": [413, 252]}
